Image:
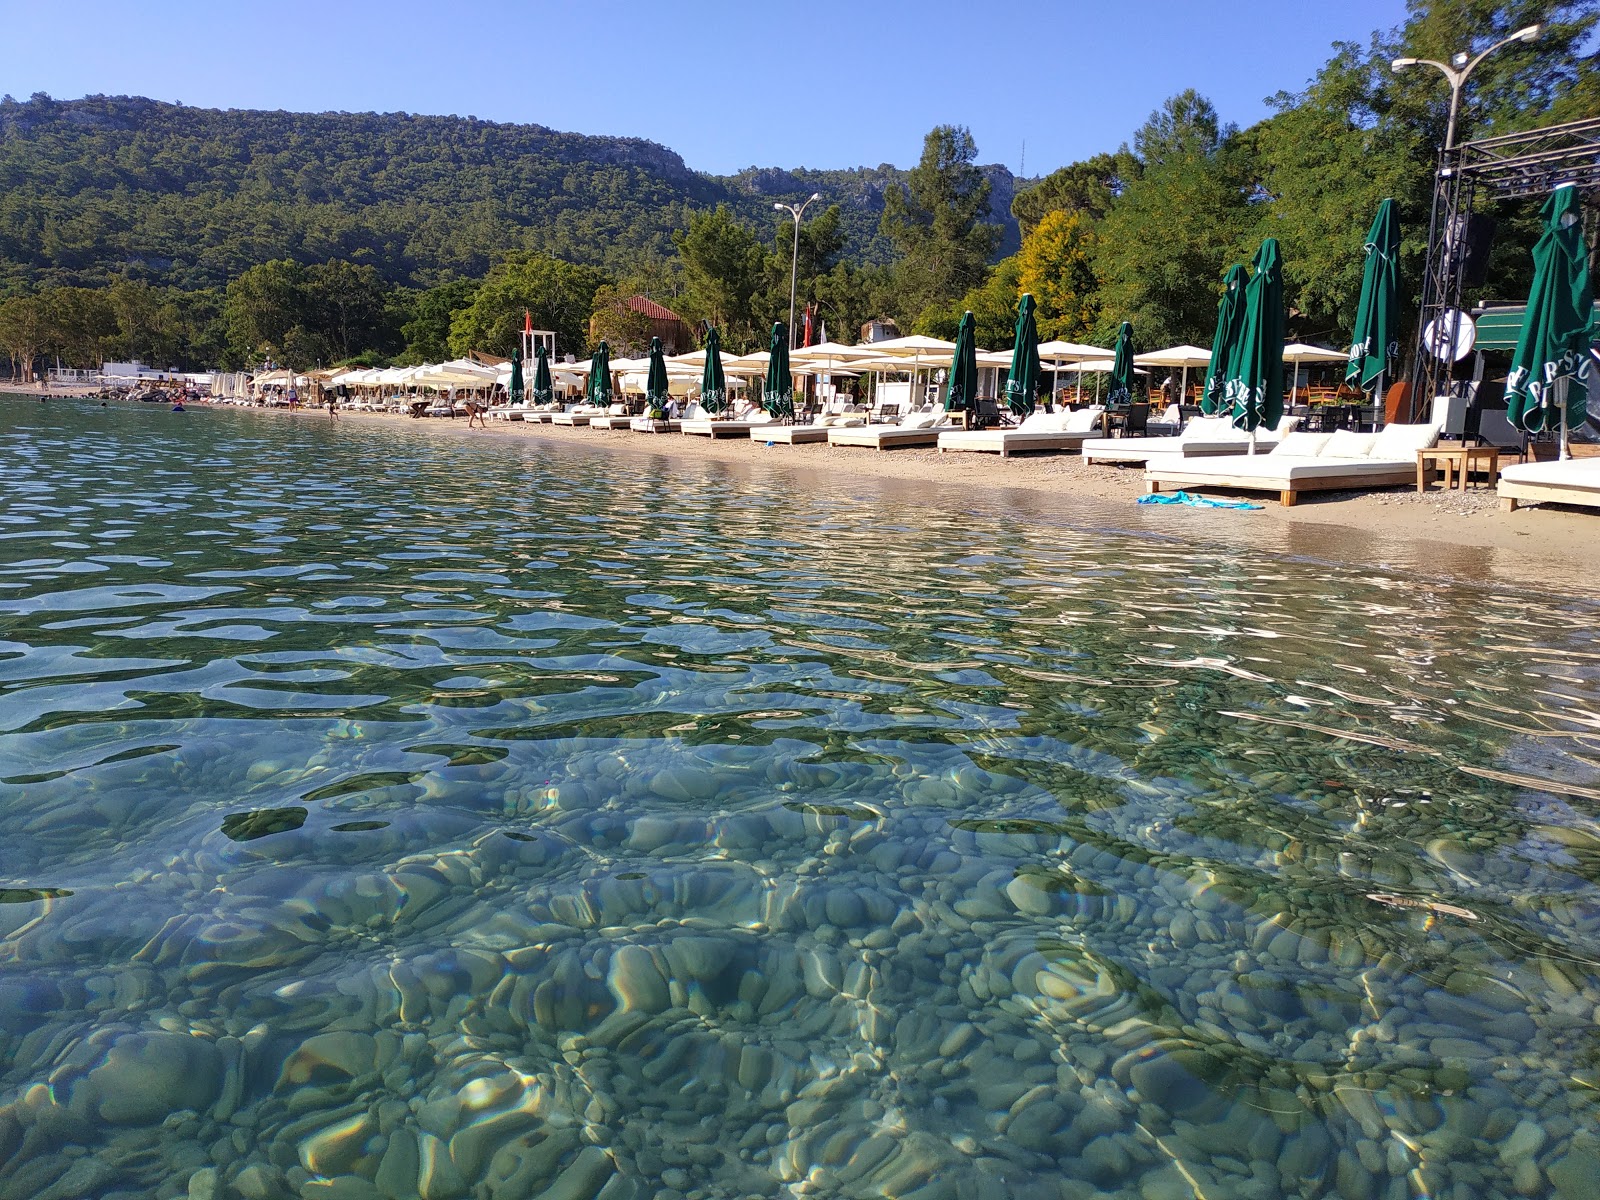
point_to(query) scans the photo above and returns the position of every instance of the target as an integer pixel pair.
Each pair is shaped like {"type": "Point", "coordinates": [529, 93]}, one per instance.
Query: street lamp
{"type": "Point", "coordinates": [1460, 66]}
{"type": "Point", "coordinates": [794, 260]}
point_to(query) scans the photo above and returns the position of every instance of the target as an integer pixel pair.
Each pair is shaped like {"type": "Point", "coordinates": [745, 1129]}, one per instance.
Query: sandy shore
{"type": "Point", "coordinates": [1433, 535]}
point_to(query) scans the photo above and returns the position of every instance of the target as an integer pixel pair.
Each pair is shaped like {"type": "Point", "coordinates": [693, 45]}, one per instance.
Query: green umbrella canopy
{"type": "Point", "coordinates": [1230, 317]}
{"type": "Point", "coordinates": [1375, 339]}
{"type": "Point", "coordinates": [656, 394]}
{"type": "Point", "coordinates": [1253, 397]}
{"type": "Point", "coordinates": [778, 396]}
{"type": "Point", "coordinates": [713, 385]}
{"type": "Point", "coordinates": [1022, 381]}
{"type": "Point", "coordinates": [543, 392]}
{"type": "Point", "coordinates": [1120, 386]}
{"type": "Point", "coordinates": [1552, 352]}
{"type": "Point", "coordinates": [961, 388]}
{"type": "Point", "coordinates": [598, 390]}
{"type": "Point", "coordinates": [515, 389]}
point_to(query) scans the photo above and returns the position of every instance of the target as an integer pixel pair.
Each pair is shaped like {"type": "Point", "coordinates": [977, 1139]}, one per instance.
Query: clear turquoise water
{"type": "Point", "coordinates": [391, 817]}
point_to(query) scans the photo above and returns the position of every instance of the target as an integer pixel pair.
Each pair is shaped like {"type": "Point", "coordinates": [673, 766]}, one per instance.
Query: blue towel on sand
{"type": "Point", "coordinates": [1193, 501]}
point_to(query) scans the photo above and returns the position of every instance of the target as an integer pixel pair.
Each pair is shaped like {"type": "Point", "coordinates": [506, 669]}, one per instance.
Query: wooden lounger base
{"type": "Point", "coordinates": [1288, 498]}
{"type": "Point", "coordinates": [1513, 494]}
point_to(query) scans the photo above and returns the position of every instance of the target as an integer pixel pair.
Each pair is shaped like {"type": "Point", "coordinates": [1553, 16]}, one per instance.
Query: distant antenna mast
{"type": "Point", "coordinates": [1022, 167]}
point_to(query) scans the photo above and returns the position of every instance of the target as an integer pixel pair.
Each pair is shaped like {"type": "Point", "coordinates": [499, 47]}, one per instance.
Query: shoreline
{"type": "Point", "coordinates": [1434, 535]}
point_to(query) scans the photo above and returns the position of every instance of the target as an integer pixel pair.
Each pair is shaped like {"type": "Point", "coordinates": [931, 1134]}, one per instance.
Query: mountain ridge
{"type": "Point", "coordinates": [102, 187]}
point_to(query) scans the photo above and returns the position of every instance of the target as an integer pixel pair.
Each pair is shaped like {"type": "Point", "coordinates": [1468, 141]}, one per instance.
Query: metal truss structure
{"type": "Point", "coordinates": [1512, 166]}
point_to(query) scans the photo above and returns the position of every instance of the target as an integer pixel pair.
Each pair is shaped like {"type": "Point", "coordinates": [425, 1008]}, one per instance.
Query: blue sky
{"type": "Point", "coordinates": [726, 85]}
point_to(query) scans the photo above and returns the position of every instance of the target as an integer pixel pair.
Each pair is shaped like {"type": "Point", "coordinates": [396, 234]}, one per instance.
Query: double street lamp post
{"type": "Point", "coordinates": [1461, 65]}
{"type": "Point", "coordinates": [794, 260]}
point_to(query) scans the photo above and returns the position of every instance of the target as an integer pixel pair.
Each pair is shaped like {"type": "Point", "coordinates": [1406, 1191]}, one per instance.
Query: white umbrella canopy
{"type": "Point", "coordinates": [1064, 352]}
{"type": "Point", "coordinates": [1303, 352]}
{"type": "Point", "coordinates": [1175, 356]}
{"type": "Point", "coordinates": [916, 345]}
{"type": "Point", "coordinates": [833, 350]}
{"type": "Point", "coordinates": [994, 358]}
{"type": "Point", "coordinates": [1182, 356]}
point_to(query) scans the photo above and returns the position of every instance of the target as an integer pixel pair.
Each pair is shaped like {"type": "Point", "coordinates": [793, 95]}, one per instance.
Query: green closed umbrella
{"type": "Point", "coordinates": [713, 385]}
{"type": "Point", "coordinates": [1375, 339]}
{"type": "Point", "coordinates": [656, 393]}
{"type": "Point", "coordinates": [598, 390]}
{"type": "Point", "coordinates": [1550, 371]}
{"type": "Point", "coordinates": [1230, 317]}
{"type": "Point", "coordinates": [543, 391]}
{"type": "Point", "coordinates": [1254, 391]}
{"type": "Point", "coordinates": [516, 389]}
{"type": "Point", "coordinates": [1120, 388]}
{"type": "Point", "coordinates": [1022, 381]}
{"type": "Point", "coordinates": [961, 388]}
{"type": "Point", "coordinates": [778, 396]}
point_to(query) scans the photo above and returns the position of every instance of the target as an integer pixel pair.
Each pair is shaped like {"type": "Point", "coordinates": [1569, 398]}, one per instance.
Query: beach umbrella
{"type": "Point", "coordinates": [1375, 339]}
{"type": "Point", "coordinates": [543, 391]}
{"type": "Point", "coordinates": [961, 388]}
{"type": "Point", "coordinates": [598, 390]}
{"type": "Point", "coordinates": [1552, 367]}
{"type": "Point", "coordinates": [1022, 381]}
{"type": "Point", "coordinates": [778, 397]}
{"type": "Point", "coordinates": [515, 391]}
{"type": "Point", "coordinates": [1230, 316]}
{"type": "Point", "coordinates": [1254, 392]}
{"type": "Point", "coordinates": [713, 384]}
{"type": "Point", "coordinates": [657, 392]}
{"type": "Point", "coordinates": [1121, 384]}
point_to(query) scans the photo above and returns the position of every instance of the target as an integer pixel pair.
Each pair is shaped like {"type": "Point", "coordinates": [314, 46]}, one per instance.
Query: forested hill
{"type": "Point", "coordinates": [111, 186]}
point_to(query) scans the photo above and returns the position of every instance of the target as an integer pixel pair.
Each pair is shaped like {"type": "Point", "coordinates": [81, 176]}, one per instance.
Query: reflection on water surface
{"type": "Point", "coordinates": [390, 818]}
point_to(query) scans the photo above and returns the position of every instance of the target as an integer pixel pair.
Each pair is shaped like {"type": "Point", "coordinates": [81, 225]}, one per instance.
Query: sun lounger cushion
{"type": "Point", "coordinates": [1403, 441]}
{"type": "Point", "coordinates": [1347, 443]}
{"type": "Point", "coordinates": [1301, 444]}
{"type": "Point", "coordinates": [1083, 420]}
{"type": "Point", "coordinates": [921, 420]}
{"type": "Point", "coordinates": [1275, 472]}
{"type": "Point", "coordinates": [695, 413]}
{"type": "Point", "coordinates": [1583, 473]}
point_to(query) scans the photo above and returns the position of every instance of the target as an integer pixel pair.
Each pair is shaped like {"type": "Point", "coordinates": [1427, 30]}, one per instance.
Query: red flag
{"type": "Point", "coordinates": [527, 321]}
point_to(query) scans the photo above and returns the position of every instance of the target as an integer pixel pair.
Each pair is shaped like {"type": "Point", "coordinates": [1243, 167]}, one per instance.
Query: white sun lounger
{"type": "Point", "coordinates": [802, 435]}
{"type": "Point", "coordinates": [1038, 431]}
{"type": "Point", "coordinates": [1203, 437]}
{"type": "Point", "coordinates": [913, 429]}
{"type": "Point", "coordinates": [1305, 462]}
{"type": "Point", "coordinates": [654, 425]}
{"type": "Point", "coordinates": [576, 417]}
{"type": "Point", "coordinates": [717, 427]}
{"type": "Point", "coordinates": [1567, 481]}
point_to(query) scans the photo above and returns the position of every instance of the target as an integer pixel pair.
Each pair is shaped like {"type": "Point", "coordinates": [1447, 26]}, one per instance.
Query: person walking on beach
{"type": "Point", "coordinates": [333, 407]}
{"type": "Point", "coordinates": [475, 413]}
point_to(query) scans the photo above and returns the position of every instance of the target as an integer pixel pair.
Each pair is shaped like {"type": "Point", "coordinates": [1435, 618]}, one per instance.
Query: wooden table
{"type": "Point", "coordinates": [1464, 459]}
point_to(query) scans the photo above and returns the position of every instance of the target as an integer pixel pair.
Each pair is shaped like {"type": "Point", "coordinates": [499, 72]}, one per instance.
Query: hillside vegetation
{"type": "Point", "coordinates": [116, 186]}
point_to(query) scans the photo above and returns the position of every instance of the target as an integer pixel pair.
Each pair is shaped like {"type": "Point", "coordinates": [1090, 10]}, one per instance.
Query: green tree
{"type": "Point", "coordinates": [936, 221]}
{"type": "Point", "coordinates": [1161, 249]}
{"type": "Point", "coordinates": [993, 305]}
{"type": "Point", "coordinates": [81, 325]}
{"type": "Point", "coordinates": [1089, 187]}
{"type": "Point", "coordinates": [24, 329]}
{"type": "Point", "coordinates": [425, 327]}
{"type": "Point", "coordinates": [1056, 264]}
{"type": "Point", "coordinates": [348, 308]}
{"type": "Point", "coordinates": [722, 274]}
{"type": "Point", "coordinates": [263, 305]}
{"type": "Point", "coordinates": [559, 295]}
{"type": "Point", "coordinates": [624, 329]}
